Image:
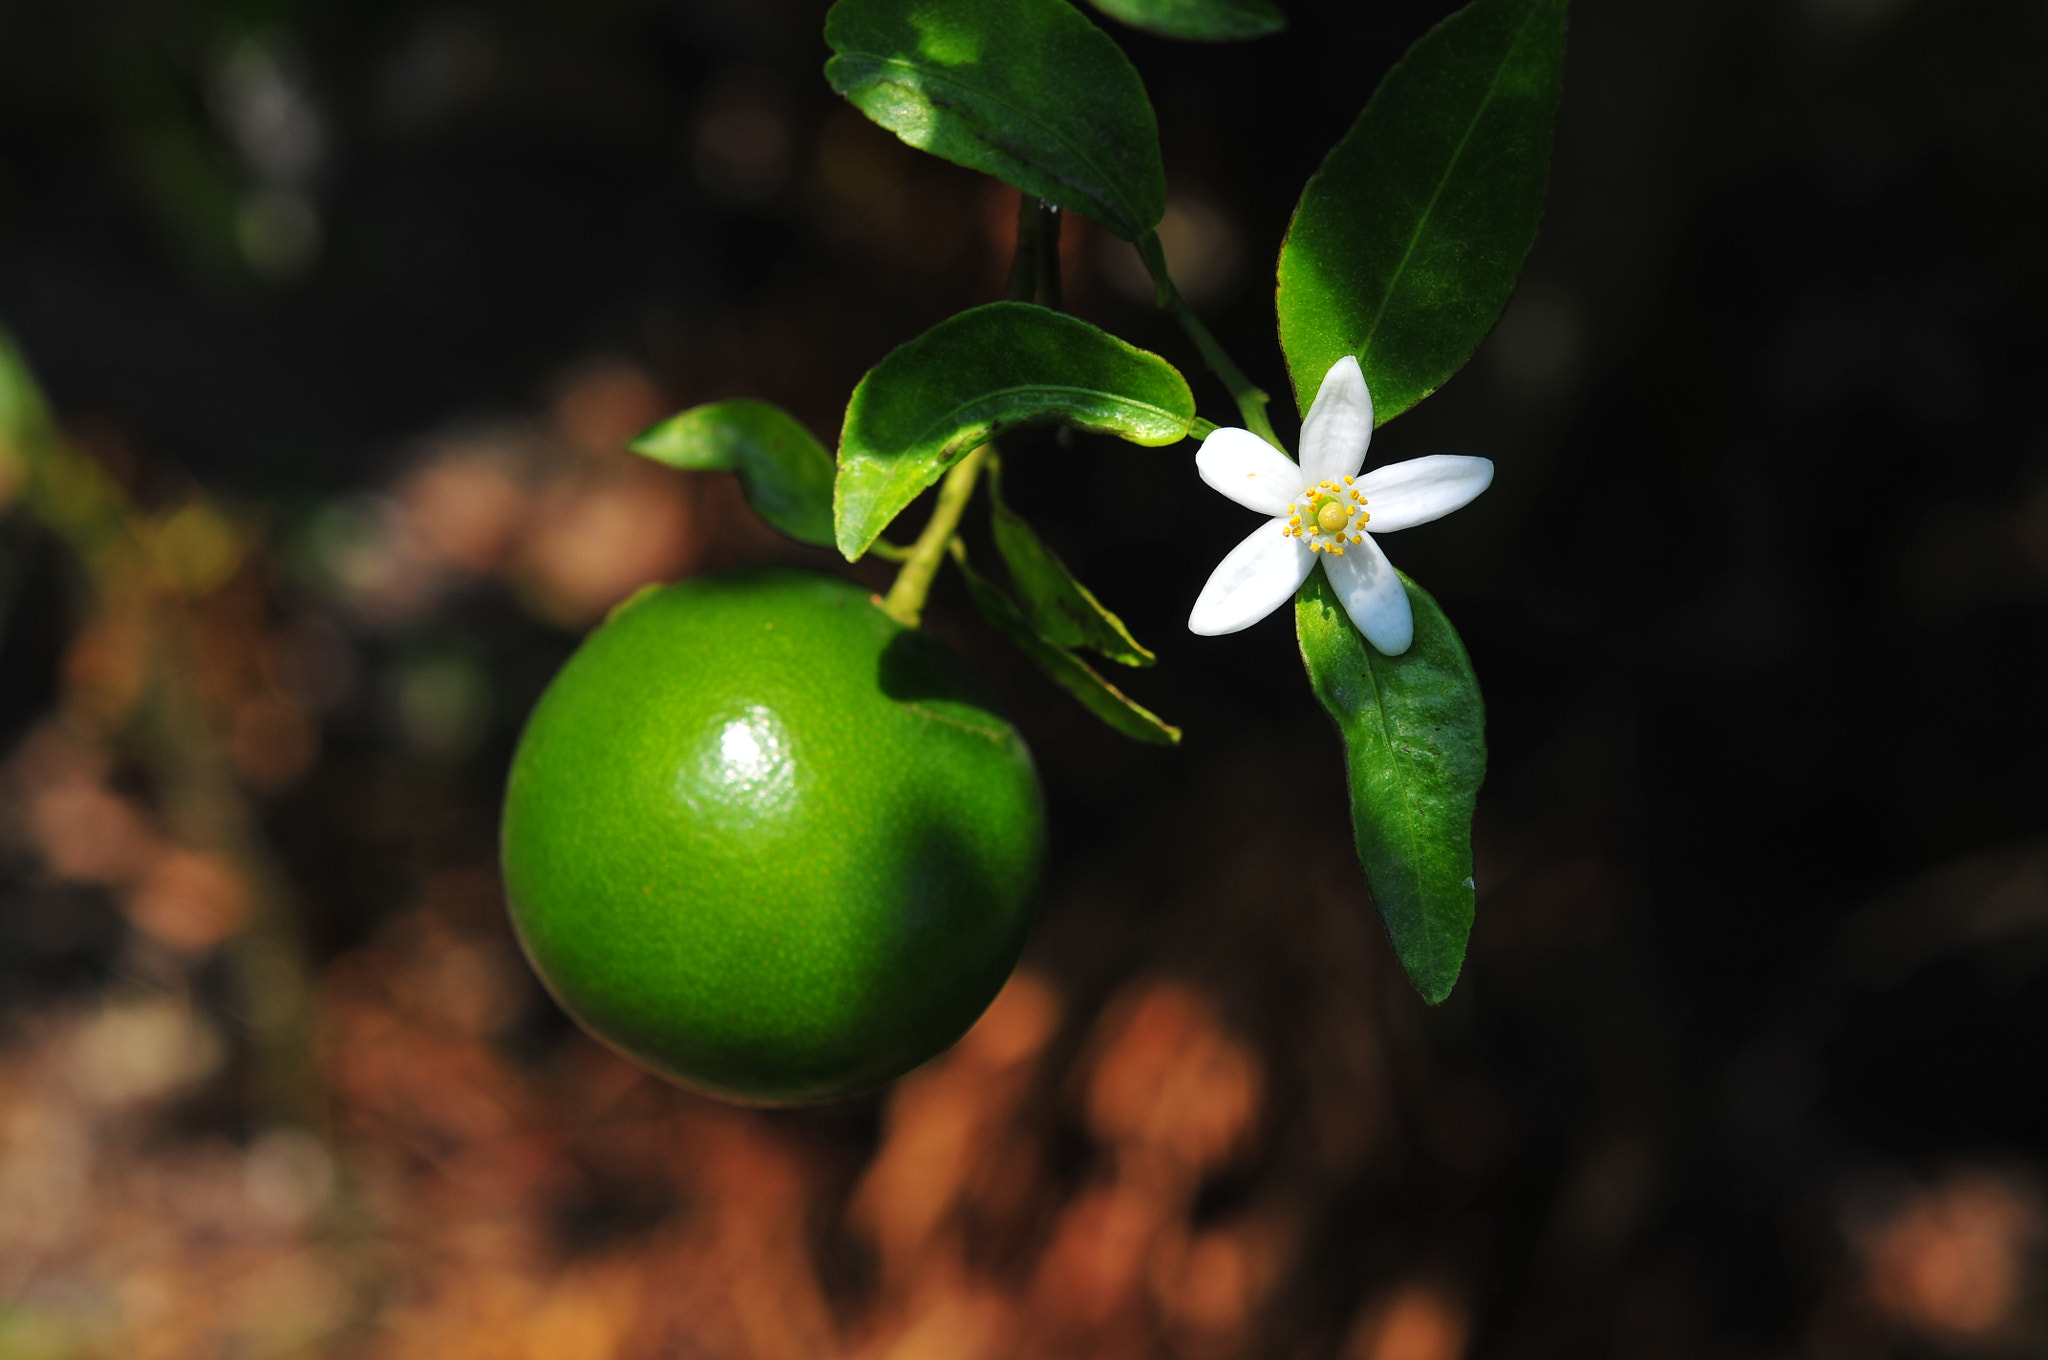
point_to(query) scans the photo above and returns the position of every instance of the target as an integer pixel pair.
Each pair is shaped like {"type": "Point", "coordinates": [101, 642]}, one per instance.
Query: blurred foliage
{"type": "Point", "coordinates": [374, 295]}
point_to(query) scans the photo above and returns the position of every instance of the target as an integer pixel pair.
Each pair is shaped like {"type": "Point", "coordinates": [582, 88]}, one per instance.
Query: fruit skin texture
{"type": "Point", "coordinates": [769, 842]}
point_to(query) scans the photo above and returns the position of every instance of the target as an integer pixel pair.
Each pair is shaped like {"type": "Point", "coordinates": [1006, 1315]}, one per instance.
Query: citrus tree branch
{"type": "Point", "coordinates": [1251, 399]}
{"type": "Point", "coordinates": [1034, 266]}
{"type": "Point", "coordinates": [905, 600]}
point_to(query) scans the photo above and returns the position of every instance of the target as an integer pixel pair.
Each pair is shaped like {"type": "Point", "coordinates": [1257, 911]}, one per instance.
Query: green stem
{"type": "Point", "coordinates": [1251, 399]}
{"type": "Point", "coordinates": [905, 600]}
{"type": "Point", "coordinates": [913, 583]}
{"type": "Point", "coordinates": [1050, 293]}
{"type": "Point", "coordinates": [1024, 260]}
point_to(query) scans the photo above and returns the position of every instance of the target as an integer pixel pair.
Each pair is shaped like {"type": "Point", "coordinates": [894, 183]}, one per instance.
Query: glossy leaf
{"type": "Point", "coordinates": [1060, 609]}
{"type": "Point", "coordinates": [1415, 745]}
{"type": "Point", "coordinates": [1198, 20]}
{"type": "Point", "coordinates": [1406, 243]}
{"type": "Point", "coordinates": [1026, 90]}
{"type": "Point", "coordinates": [1063, 668]}
{"type": "Point", "coordinates": [994, 368]}
{"type": "Point", "coordinates": [785, 472]}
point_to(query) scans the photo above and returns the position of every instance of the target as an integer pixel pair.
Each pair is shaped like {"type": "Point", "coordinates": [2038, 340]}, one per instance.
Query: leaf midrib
{"type": "Point", "coordinates": [1113, 198]}
{"type": "Point", "coordinates": [1464, 141]}
{"type": "Point", "coordinates": [1386, 728]}
{"type": "Point", "coordinates": [950, 420]}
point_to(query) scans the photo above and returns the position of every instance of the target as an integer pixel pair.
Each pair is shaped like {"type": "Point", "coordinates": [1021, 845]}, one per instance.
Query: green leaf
{"type": "Point", "coordinates": [933, 400]}
{"type": "Point", "coordinates": [1063, 668]}
{"type": "Point", "coordinates": [1415, 744]}
{"type": "Point", "coordinates": [1061, 610]}
{"type": "Point", "coordinates": [1026, 90]}
{"type": "Point", "coordinates": [1198, 20]}
{"type": "Point", "coordinates": [1406, 244]}
{"type": "Point", "coordinates": [783, 469]}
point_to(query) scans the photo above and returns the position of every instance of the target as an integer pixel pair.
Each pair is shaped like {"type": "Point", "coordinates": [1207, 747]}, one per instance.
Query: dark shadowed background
{"type": "Point", "coordinates": [346, 311]}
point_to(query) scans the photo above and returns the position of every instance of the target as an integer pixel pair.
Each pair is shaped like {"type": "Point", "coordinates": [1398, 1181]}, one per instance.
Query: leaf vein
{"type": "Point", "coordinates": [1408, 827]}
{"type": "Point", "coordinates": [951, 419]}
{"type": "Point", "coordinates": [1422, 222]}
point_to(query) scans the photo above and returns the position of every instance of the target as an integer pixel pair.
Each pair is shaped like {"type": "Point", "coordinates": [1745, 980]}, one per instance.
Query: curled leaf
{"type": "Point", "coordinates": [995, 368]}
{"type": "Point", "coordinates": [784, 471]}
{"type": "Point", "coordinates": [1062, 610]}
{"type": "Point", "coordinates": [1115, 708]}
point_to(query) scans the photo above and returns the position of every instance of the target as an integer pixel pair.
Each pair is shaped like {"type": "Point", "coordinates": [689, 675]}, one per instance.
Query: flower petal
{"type": "Point", "coordinates": [1260, 574]}
{"type": "Point", "coordinates": [1403, 495]}
{"type": "Point", "coordinates": [1338, 427]}
{"type": "Point", "coordinates": [1250, 471]}
{"type": "Point", "coordinates": [1372, 594]}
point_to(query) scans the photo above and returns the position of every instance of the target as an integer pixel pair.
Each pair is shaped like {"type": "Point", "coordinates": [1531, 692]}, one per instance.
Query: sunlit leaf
{"type": "Point", "coordinates": [1062, 610]}
{"type": "Point", "coordinates": [1415, 745]}
{"type": "Point", "coordinates": [994, 368]}
{"type": "Point", "coordinates": [1066, 670]}
{"type": "Point", "coordinates": [783, 469]}
{"type": "Point", "coordinates": [1198, 20]}
{"type": "Point", "coordinates": [1026, 90]}
{"type": "Point", "coordinates": [1406, 244]}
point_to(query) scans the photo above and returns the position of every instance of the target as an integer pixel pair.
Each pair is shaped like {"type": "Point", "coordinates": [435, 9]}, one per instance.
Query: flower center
{"type": "Point", "coordinates": [1327, 515]}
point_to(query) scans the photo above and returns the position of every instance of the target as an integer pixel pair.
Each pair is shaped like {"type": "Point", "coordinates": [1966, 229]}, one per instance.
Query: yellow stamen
{"type": "Point", "coordinates": [1349, 480]}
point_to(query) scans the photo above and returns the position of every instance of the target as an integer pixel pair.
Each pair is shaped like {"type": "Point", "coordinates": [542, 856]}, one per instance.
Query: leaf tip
{"type": "Point", "coordinates": [648, 443]}
{"type": "Point", "coordinates": [850, 546]}
{"type": "Point", "coordinates": [1435, 993]}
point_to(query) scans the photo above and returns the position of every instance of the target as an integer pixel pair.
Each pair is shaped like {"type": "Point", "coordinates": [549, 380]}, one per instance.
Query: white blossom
{"type": "Point", "coordinates": [1322, 508]}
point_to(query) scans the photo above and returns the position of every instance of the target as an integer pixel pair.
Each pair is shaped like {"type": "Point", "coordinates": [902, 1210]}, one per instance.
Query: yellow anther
{"type": "Point", "coordinates": [1355, 496]}
{"type": "Point", "coordinates": [1349, 480]}
{"type": "Point", "coordinates": [1338, 551]}
{"type": "Point", "coordinates": [1293, 519]}
{"type": "Point", "coordinates": [1358, 538]}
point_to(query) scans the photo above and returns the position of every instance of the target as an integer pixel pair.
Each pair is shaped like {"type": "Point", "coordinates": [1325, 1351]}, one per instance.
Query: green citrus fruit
{"type": "Point", "coordinates": [768, 841]}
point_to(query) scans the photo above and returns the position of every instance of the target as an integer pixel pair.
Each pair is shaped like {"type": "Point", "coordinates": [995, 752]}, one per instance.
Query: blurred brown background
{"type": "Point", "coordinates": [344, 310]}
